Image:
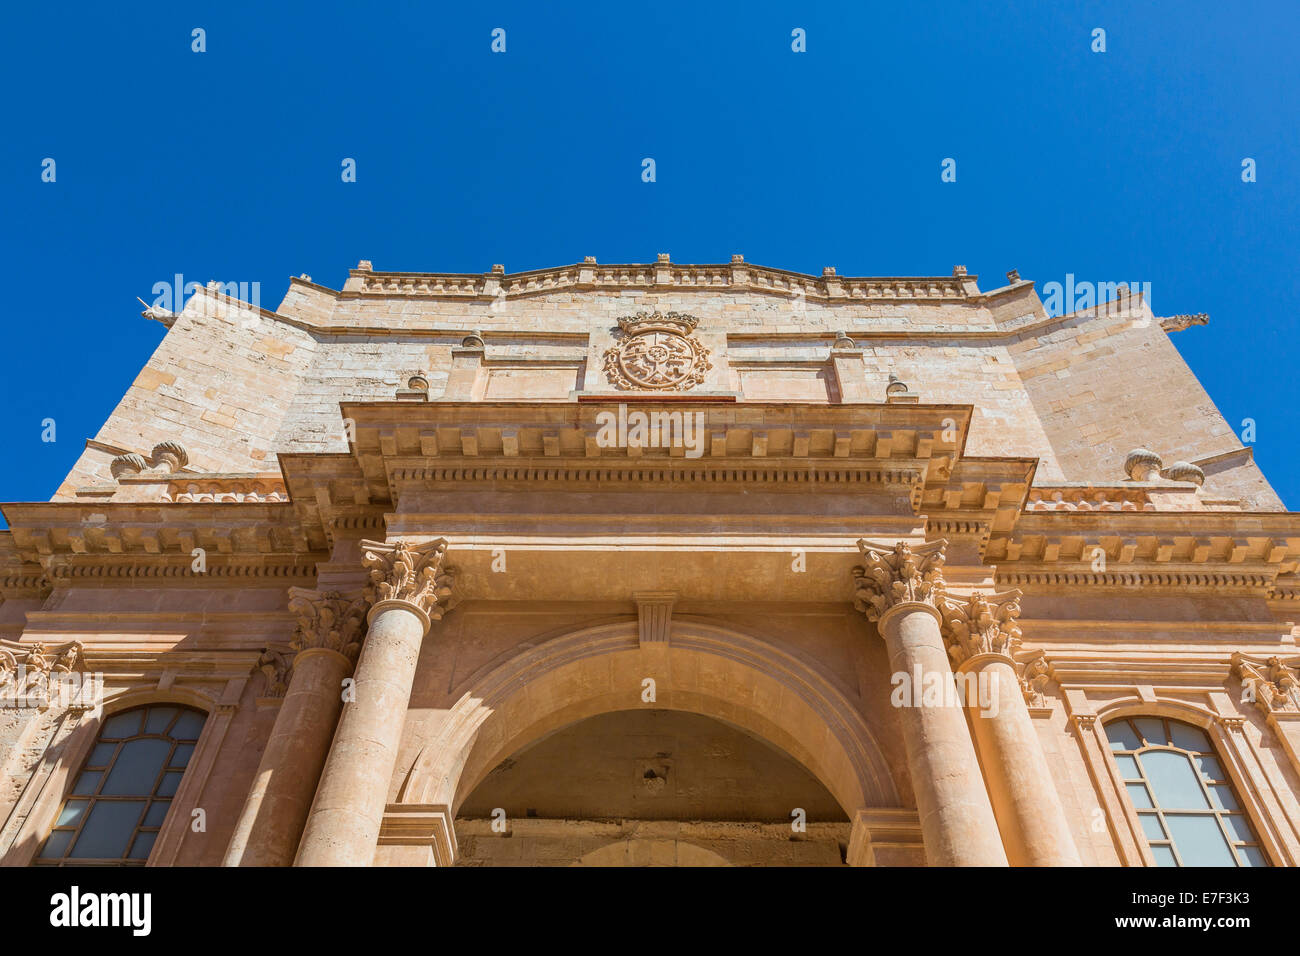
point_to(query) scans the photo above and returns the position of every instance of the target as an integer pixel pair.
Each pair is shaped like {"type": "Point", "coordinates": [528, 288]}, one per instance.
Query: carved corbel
{"type": "Point", "coordinates": [898, 574]}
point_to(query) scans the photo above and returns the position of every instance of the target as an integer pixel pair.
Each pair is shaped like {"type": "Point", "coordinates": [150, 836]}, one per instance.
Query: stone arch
{"type": "Point", "coordinates": [706, 669]}
{"type": "Point", "coordinates": [625, 852]}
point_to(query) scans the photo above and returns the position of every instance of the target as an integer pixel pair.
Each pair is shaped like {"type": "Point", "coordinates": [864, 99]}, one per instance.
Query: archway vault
{"type": "Point", "coordinates": [704, 668]}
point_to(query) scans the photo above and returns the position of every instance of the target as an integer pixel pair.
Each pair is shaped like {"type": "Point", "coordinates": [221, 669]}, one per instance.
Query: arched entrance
{"type": "Point", "coordinates": [774, 694]}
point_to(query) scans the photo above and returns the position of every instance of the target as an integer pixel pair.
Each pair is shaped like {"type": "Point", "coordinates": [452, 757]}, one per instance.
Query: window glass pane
{"type": "Point", "coordinates": [159, 719]}
{"type": "Point", "coordinates": [1128, 767]}
{"type": "Point", "coordinates": [56, 844]}
{"type": "Point", "coordinates": [1239, 827]}
{"type": "Point", "coordinates": [108, 828]}
{"type": "Point", "coordinates": [1164, 856]}
{"type": "Point", "coordinates": [1173, 780]}
{"type": "Point", "coordinates": [1151, 826]}
{"type": "Point", "coordinates": [157, 813]}
{"type": "Point", "coordinates": [136, 767]}
{"type": "Point", "coordinates": [1199, 840]}
{"type": "Point", "coordinates": [1153, 729]}
{"type": "Point", "coordinates": [101, 755]}
{"type": "Point", "coordinates": [1137, 792]}
{"type": "Point", "coordinates": [1210, 768]}
{"type": "Point", "coordinates": [181, 756]}
{"type": "Point", "coordinates": [170, 782]}
{"type": "Point", "coordinates": [189, 726]}
{"type": "Point", "coordinates": [71, 813]}
{"type": "Point", "coordinates": [122, 725]}
{"type": "Point", "coordinates": [1252, 856]}
{"type": "Point", "coordinates": [143, 844]}
{"type": "Point", "coordinates": [1223, 797]}
{"type": "Point", "coordinates": [87, 781]}
{"type": "Point", "coordinates": [1189, 737]}
{"type": "Point", "coordinates": [1121, 736]}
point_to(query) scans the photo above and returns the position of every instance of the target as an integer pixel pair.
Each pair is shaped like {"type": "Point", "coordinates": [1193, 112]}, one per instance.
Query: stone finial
{"type": "Point", "coordinates": [365, 266]}
{"type": "Point", "coordinates": [474, 340]}
{"type": "Point", "coordinates": [328, 619]}
{"type": "Point", "coordinates": [1184, 471]}
{"type": "Point", "coordinates": [895, 387]}
{"type": "Point", "coordinates": [737, 258]}
{"type": "Point", "coordinates": [981, 624]}
{"type": "Point", "coordinates": [589, 260]}
{"type": "Point", "coordinates": [958, 271]}
{"type": "Point", "coordinates": [128, 464]}
{"type": "Point", "coordinates": [1272, 684]}
{"type": "Point", "coordinates": [842, 341]}
{"type": "Point", "coordinates": [828, 271]}
{"type": "Point", "coordinates": [170, 454]}
{"type": "Point", "coordinates": [304, 277]}
{"type": "Point", "coordinates": [498, 269]}
{"type": "Point", "coordinates": [1013, 276]}
{"type": "Point", "coordinates": [898, 574]}
{"type": "Point", "coordinates": [1142, 464]}
{"type": "Point", "coordinates": [411, 575]}
{"type": "Point", "coordinates": [663, 257]}
{"type": "Point", "coordinates": [418, 382]}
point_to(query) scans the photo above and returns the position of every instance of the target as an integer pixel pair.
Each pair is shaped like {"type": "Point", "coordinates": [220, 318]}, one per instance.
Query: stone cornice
{"type": "Point", "coordinates": [736, 276]}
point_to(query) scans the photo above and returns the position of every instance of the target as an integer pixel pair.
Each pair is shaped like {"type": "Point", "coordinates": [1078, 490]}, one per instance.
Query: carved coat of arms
{"type": "Point", "coordinates": [657, 351]}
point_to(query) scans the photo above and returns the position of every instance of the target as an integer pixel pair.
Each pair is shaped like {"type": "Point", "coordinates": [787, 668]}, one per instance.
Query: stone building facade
{"type": "Point", "coordinates": [651, 565]}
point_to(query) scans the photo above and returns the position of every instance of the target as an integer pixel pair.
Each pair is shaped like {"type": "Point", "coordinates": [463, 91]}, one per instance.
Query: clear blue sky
{"type": "Point", "coordinates": [226, 165]}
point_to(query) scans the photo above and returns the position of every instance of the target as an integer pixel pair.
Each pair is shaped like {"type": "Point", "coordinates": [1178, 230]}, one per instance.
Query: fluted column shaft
{"type": "Point", "coordinates": [272, 820]}
{"type": "Point", "coordinates": [1025, 800]}
{"type": "Point", "coordinates": [957, 819]}
{"type": "Point", "coordinates": [343, 827]}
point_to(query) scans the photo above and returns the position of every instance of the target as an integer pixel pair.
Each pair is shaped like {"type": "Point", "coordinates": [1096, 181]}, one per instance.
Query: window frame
{"type": "Point", "coordinates": [1220, 813]}
{"type": "Point", "coordinates": [104, 770]}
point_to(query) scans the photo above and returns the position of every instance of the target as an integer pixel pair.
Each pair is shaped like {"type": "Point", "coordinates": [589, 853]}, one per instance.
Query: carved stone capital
{"type": "Point", "coordinates": [409, 574]}
{"type": "Point", "coordinates": [898, 574]}
{"type": "Point", "coordinates": [276, 667]}
{"type": "Point", "coordinates": [1272, 685]}
{"type": "Point", "coordinates": [1035, 675]}
{"type": "Point", "coordinates": [328, 619]}
{"type": "Point", "coordinates": [981, 625]}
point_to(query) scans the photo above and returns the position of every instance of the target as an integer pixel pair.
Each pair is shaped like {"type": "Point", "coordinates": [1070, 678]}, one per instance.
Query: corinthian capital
{"type": "Point", "coordinates": [981, 624]}
{"type": "Point", "coordinates": [328, 619]}
{"type": "Point", "coordinates": [898, 574]}
{"type": "Point", "coordinates": [1271, 684]}
{"type": "Point", "coordinates": [409, 574]}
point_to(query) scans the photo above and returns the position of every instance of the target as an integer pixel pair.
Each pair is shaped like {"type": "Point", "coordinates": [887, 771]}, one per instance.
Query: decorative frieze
{"type": "Point", "coordinates": [409, 574]}
{"type": "Point", "coordinates": [981, 625]}
{"type": "Point", "coordinates": [898, 574]}
{"type": "Point", "coordinates": [328, 619]}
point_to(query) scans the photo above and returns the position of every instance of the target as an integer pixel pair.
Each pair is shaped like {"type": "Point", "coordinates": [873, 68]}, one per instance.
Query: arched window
{"type": "Point", "coordinates": [121, 797]}
{"type": "Point", "coordinates": [1189, 811]}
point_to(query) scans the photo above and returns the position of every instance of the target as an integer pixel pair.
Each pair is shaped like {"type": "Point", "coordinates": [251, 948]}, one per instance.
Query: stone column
{"type": "Point", "coordinates": [410, 590]}
{"type": "Point", "coordinates": [899, 589]}
{"type": "Point", "coordinates": [326, 642]}
{"type": "Point", "coordinates": [983, 635]}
